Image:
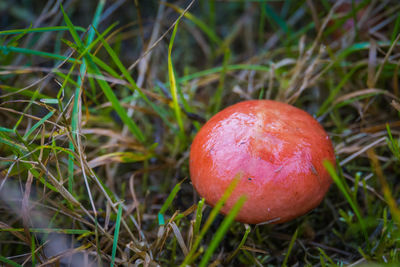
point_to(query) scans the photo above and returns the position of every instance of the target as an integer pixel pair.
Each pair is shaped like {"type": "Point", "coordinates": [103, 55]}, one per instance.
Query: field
{"type": "Point", "coordinates": [100, 101]}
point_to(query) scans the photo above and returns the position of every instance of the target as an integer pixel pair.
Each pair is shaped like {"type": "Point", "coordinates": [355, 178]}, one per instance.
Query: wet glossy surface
{"type": "Point", "coordinates": [276, 149]}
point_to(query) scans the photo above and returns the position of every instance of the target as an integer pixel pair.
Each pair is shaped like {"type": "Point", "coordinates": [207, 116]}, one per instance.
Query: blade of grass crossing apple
{"type": "Point", "coordinates": [328, 165]}
{"type": "Point", "coordinates": [214, 212]}
{"type": "Point", "coordinates": [172, 82]}
{"type": "Point", "coordinates": [294, 237]}
{"type": "Point", "coordinates": [116, 233]}
{"type": "Point", "coordinates": [221, 231]}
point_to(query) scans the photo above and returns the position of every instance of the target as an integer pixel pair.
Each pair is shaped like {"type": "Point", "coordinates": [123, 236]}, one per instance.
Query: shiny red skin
{"type": "Point", "coordinates": [276, 149]}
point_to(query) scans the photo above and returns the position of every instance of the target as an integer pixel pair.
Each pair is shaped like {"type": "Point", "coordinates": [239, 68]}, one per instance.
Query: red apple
{"type": "Point", "coordinates": [276, 149]}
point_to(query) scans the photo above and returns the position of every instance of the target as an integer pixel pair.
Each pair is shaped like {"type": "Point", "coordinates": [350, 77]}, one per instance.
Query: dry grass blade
{"type": "Point", "coordinates": [385, 186]}
{"type": "Point", "coordinates": [363, 150]}
{"type": "Point", "coordinates": [363, 92]}
{"type": "Point", "coordinates": [394, 44]}
{"type": "Point", "coordinates": [179, 237]}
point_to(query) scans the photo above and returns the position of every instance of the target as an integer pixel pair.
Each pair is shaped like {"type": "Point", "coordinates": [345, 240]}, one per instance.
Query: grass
{"type": "Point", "coordinates": [99, 103]}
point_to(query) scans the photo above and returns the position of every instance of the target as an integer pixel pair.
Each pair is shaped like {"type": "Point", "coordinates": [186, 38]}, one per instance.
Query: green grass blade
{"type": "Point", "coordinates": [39, 176]}
{"type": "Point", "coordinates": [116, 233]}
{"type": "Point", "coordinates": [71, 29]}
{"type": "Point", "coordinates": [74, 115]}
{"type": "Point", "coordinates": [199, 215]}
{"type": "Point", "coordinates": [393, 143]}
{"type": "Point", "coordinates": [33, 248]}
{"type": "Point", "coordinates": [105, 67]}
{"type": "Point", "coordinates": [7, 49]}
{"type": "Point", "coordinates": [9, 262]}
{"type": "Point", "coordinates": [324, 255]}
{"type": "Point", "coordinates": [36, 125]}
{"type": "Point", "coordinates": [49, 230]}
{"type": "Point", "coordinates": [359, 47]}
{"type": "Point", "coordinates": [42, 29]}
{"type": "Point", "coordinates": [49, 100]}
{"type": "Point", "coordinates": [2, 129]}
{"type": "Point", "coordinates": [340, 184]}
{"type": "Point", "coordinates": [222, 68]}
{"type": "Point", "coordinates": [162, 113]}
{"type": "Point", "coordinates": [241, 244]}
{"type": "Point", "coordinates": [294, 237]}
{"type": "Point", "coordinates": [221, 231]}
{"type": "Point", "coordinates": [217, 99]}
{"type": "Point", "coordinates": [395, 29]}
{"type": "Point", "coordinates": [134, 129]}
{"type": "Point", "coordinates": [294, 37]}
{"type": "Point", "coordinates": [386, 188]}
{"type": "Point", "coordinates": [26, 92]}
{"type": "Point", "coordinates": [95, 22]}
{"type": "Point", "coordinates": [172, 82]}
{"type": "Point", "coordinates": [277, 19]}
{"type": "Point", "coordinates": [12, 144]}
{"type": "Point", "coordinates": [324, 107]}
{"type": "Point", "coordinates": [199, 23]}
{"type": "Point", "coordinates": [170, 198]}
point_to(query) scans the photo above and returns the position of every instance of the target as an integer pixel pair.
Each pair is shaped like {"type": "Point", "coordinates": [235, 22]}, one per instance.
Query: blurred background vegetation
{"type": "Point", "coordinates": [99, 101]}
